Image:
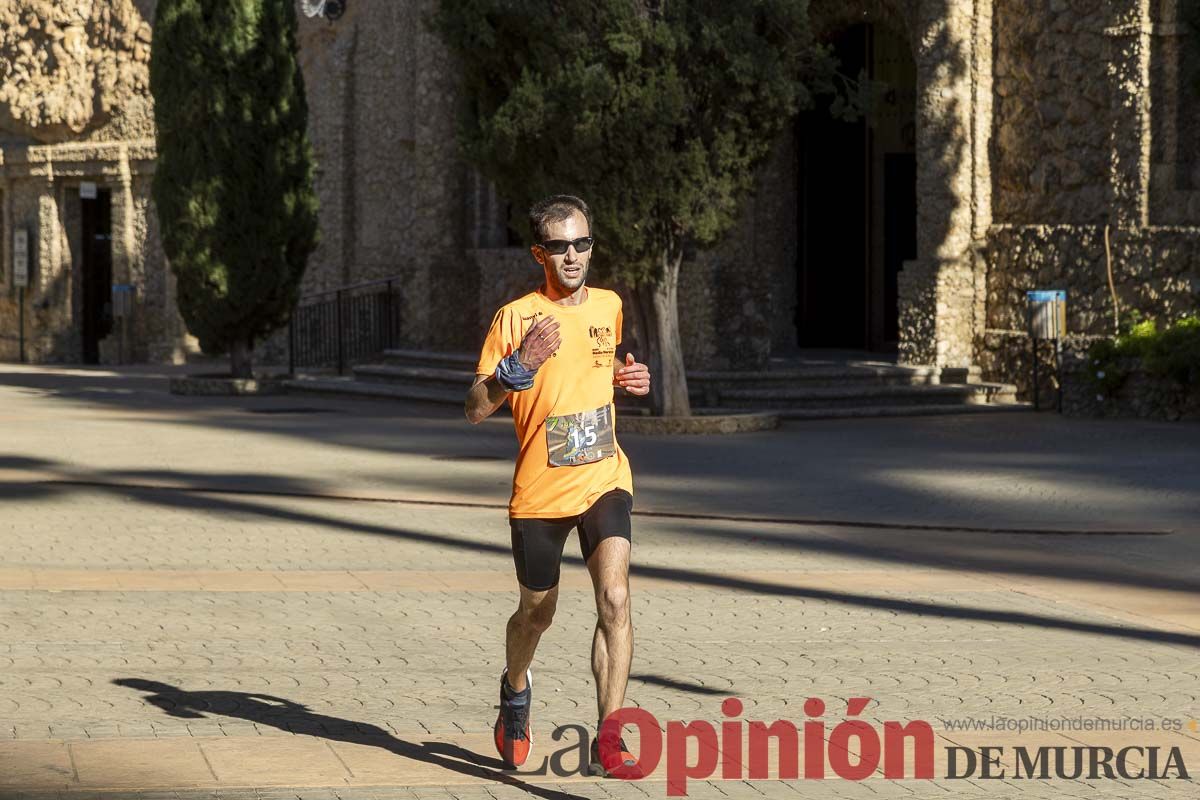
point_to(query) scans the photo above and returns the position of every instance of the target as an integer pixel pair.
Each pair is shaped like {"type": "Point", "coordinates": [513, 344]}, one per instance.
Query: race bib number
{"type": "Point", "coordinates": [580, 438]}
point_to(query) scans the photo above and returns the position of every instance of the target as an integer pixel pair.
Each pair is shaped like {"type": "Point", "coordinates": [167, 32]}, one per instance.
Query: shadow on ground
{"type": "Point", "coordinates": [277, 712]}
{"type": "Point", "coordinates": [70, 479]}
{"type": "Point", "coordinates": [1028, 470]}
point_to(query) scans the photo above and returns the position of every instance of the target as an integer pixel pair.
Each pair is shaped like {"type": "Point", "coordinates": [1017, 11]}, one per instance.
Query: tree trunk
{"type": "Point", "coordinates": [240, 354]}
{"type": "Point", "coordinates": [659, 308]}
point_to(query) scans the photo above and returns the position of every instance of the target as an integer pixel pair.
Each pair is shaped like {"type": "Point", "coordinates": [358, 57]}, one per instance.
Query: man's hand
{"type": "Point", "coordinates": [540, 342]}
{"type": "Point", "coordinates": [633, 377]}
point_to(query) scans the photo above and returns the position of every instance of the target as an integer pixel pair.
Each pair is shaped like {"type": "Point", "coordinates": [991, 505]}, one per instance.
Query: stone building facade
{"type": "Point", "coordinates": [76, 158]}
{"type": "Point", "coordinates": [1005, 139]}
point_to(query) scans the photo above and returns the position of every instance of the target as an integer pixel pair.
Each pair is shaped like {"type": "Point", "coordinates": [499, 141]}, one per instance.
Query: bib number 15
{"type": "Point", "coordinates": [583, 437]}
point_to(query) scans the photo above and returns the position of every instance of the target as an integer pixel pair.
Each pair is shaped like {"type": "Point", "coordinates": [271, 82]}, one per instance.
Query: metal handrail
{"type": "Point", "coordinates": [344, 324]}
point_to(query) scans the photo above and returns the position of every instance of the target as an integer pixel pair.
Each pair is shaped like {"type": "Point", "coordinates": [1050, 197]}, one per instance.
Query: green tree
{"type": "Point", "coordinates": [656, 113]}
{"type": "Point", "coordinates": [233, 180]}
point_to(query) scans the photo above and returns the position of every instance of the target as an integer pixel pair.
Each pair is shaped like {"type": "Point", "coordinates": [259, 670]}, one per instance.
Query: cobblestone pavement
{"type": "Point", "coordinates": [180, 617]}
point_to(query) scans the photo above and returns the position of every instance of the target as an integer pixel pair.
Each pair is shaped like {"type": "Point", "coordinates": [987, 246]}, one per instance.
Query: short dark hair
{"type": "Point", "coordinates": [555, 208]}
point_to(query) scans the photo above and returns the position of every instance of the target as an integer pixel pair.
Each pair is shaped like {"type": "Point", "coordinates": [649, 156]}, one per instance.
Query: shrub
{"type": "Point", "coordinates": [1171, 354]}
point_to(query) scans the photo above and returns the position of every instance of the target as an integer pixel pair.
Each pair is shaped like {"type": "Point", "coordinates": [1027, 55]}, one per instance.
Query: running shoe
{"type": "Point", "coordinates": [614, 758]}
{"type": "Point", "coordinates": [513, 738]}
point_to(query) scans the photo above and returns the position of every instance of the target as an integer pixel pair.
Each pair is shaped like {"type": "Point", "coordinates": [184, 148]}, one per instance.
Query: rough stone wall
{"type": "Point", "coordinates": [738, 301]}
{"type": "Point", "coordinates": [72, 67]}
{"type": "Point", "coordinates": [1123, 138]}
{"type": "Point", "coordinates": [1051, 155]}
{"type": "Point", "coordinates": [382, 113]}
{"type": "Point", "coordinates": [1140, 396]}
{"type": "Point", "coordinates": [700, 310]}
{"type": "Point", "coordinates": [510, 273]}
{"type": "Point", "coordinates": [1156, 272]}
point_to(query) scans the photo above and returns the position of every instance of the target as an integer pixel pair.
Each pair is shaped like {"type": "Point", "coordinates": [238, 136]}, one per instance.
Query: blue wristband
{"type": "Point", "coordinates": [512, 375]}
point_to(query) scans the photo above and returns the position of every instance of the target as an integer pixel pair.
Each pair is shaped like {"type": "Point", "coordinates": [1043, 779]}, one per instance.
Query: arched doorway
{"type": "Point", "coordinates": [857, 206]}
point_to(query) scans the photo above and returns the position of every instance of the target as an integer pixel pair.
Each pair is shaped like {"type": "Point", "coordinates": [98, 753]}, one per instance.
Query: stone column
{"type": "Point", "coordinates": [124, 249]}
{"type": "Point", "coordinates": [9, 312]}
{"type": "Point", "coordinates": [940, 291]}
{"type": "Point", "coordinates": [51, 330]}
{"type": "Point", "coordinates": [440, 285]}
{"type": "Point", "coordinates": [327, 59]}
{"type": "Point", "coordinates": [1128, 35]}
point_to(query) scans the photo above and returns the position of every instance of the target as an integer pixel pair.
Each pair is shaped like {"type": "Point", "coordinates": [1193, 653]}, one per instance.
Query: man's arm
{"type": "Point", "coordinates": [485, 396]}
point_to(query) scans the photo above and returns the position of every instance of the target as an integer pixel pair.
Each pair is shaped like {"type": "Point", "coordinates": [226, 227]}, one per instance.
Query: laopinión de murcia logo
{"type": "Point", "coordinates": [851, 749]}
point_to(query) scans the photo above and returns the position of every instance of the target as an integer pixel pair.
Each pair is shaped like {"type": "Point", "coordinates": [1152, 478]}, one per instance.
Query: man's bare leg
{"type": "Point", "coordinates": [525, 628]}
{"type": "Point", "coordinates": [612, 643]}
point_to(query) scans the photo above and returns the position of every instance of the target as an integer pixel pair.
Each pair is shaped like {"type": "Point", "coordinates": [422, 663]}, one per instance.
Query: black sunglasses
{"type": "Point", "coordinates": [556, 247]}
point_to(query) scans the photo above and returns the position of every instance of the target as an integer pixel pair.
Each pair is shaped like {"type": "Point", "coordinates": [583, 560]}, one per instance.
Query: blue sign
{"type": "Point", "coordinates": [1051, 296]}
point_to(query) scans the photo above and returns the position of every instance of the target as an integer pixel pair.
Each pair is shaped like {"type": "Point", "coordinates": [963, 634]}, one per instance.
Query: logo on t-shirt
{"type": "Point", "coordinates": [602, 335]}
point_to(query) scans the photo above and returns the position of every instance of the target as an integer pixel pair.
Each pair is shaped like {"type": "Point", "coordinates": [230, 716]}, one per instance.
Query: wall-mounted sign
{"type": "Point", "coordinates": [20, 258]}
{"type": "Point", "coordinates": [87, 190]}
{"type": "Point", "coordinates": [1047, 313]}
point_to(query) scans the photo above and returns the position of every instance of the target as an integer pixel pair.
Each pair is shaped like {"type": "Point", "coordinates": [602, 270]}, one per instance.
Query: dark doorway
{"type": "Point", "coordinates": [857, 199]}
{"type": "Point", "coordinates": [834, 225]}
{"type": "Point", "coordinates": [96, 273]}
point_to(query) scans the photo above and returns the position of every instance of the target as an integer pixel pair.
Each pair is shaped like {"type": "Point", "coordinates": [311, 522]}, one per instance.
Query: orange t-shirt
{"type": "Point", "coordinates": [578, 377]}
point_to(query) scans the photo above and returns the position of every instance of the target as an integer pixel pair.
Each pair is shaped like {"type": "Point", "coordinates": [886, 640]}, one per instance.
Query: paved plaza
{"type": "Point", "coordinates": [300, 597]}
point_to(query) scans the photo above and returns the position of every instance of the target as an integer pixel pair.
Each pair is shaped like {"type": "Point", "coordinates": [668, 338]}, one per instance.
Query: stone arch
{"type": "Point", "coordinates": [941, 290]}
{"type": "Point", "coordinates": [855, 184]}
{"type": "Point", "coordinates": [830, 16]}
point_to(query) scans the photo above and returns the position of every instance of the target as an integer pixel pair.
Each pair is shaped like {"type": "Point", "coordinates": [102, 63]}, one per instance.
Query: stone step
{"type": "Point", "coordinates": [935, 410]}
{"type": "Point", "coordinates": [706, 386]}
{"type": "Point", "coordinates": [820, 390]}
{"type": "Point", "coordinates": [703, 381]}
{"type": "Point", "coordinates": [434, 377]}
{"type": "Point", "coordinates": [383, 391]}
{"type": "Point", "coordinates": [441, 395]}
{"type": "Point", "coordinates": [860, 396]}
{"type": "Point", "coordinates": [427, 358]}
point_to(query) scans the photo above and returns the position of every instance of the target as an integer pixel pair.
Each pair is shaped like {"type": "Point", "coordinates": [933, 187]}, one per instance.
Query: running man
{"type": "Point", "coordinates": [552, 355]}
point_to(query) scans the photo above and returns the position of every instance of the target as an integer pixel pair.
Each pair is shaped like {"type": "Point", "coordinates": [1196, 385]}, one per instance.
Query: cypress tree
{"type": "Point", "coordinates": [233, 180]}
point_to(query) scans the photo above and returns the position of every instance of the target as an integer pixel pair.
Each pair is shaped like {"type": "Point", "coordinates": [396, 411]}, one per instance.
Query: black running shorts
{"type": "Point", "coordinates": [537, 544]}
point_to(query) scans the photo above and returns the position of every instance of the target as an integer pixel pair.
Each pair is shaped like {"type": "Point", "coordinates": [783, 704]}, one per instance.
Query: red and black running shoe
{"type": "Point", "coordinates": [513, 737]}
{"type": "Point", "coordinates": [613, 760]}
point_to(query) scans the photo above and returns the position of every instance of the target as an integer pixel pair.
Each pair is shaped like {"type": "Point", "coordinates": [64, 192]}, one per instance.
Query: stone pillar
{"type": "Point", "coordinates": [941, 290]}
{"type": "Point", "coordinates": [327, 59]}
{"type": "Point", "coordinates": [52, 293]}
{"type": "Point", "coordinates": [125, 255]}
{"type": "Point", "coordinates": [1128, 58]}
{"type": "Point", "coordinates": [9, 311]}
{"type": "Point", "coordinates": [441, 286]}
